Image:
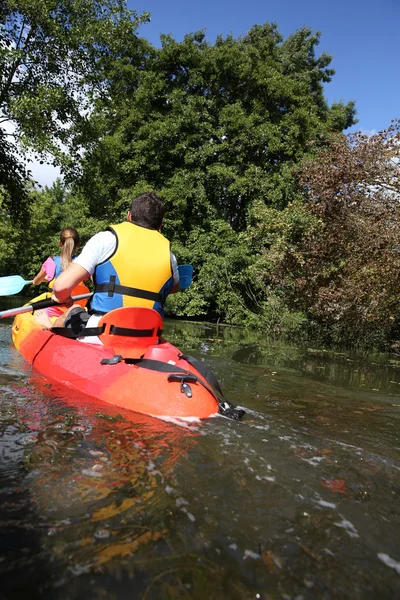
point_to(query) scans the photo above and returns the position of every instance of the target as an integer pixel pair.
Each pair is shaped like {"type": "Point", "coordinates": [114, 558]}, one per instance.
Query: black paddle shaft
{"type": "Point", "coordinates": [46, 303]}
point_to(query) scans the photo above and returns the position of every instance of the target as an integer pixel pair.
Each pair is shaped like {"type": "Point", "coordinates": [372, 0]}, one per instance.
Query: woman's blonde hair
{"type": "Point", "coordinates": [70, 241]}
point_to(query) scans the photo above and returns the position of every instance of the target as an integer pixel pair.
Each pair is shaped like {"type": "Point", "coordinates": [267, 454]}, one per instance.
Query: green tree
{"type": "Point", "coordinates": [11, 237]}
{"type": "Point", "coordinates": [231, 120]}
{"type": "Point", "coordinates": [54, 59]}
{"type": "Point", "coordinates": [335, 257]}
{"type": "Point", "coordinates": [218, 130]}
{"type": "Point", "coordinates": [25, 246]}
{"type": "Point", "coordinates": [13, 179]}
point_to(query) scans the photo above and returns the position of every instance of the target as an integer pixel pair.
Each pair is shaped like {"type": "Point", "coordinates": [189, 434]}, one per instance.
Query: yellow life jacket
{"type": "Point", "coordinates": [137, 274]}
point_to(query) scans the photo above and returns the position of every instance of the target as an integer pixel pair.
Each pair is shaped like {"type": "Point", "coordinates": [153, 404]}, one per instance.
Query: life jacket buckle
{"type": "Point", "coordinates": [111, 286]}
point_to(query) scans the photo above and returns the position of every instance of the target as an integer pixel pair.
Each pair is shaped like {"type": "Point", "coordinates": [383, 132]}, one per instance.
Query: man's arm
{"type": "Point", "coordinates": [175, 273]}
{"type": "Point", "coordinates": [67, 280]}
{"type": "Point", "coordinates": [41, 276]}
{"type": "Point", "coordinates": [96, 251]}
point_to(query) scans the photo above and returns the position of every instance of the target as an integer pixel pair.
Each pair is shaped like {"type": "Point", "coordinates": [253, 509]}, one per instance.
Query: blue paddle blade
{"type": "Point", "coordinates": [12, 285]}
{"type": "Point", "coordinates": [185, 276]}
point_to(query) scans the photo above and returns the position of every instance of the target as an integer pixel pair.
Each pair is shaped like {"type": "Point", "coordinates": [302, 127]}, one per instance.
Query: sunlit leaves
{"type": "Point", "coordinates": [56, 58]}
{"type": "Point", "coordinates": [235, 116]}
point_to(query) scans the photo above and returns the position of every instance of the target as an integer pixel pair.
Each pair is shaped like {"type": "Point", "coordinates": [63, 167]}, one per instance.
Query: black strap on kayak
{"type": "Point", "coordinates": [146, 363]}
{"type": "Point", "coordinates": [69, 333]}
{"type": "Point", "coordinates": [203, 370]}
{"type": "Point", "coordinates": [114, 288]}
{"type": "Point", "coordinates": [127, 331]}
{"type": "Point", "coordinates": [224, 407]}
{"type": "Point", "coordinates": [178, 374]}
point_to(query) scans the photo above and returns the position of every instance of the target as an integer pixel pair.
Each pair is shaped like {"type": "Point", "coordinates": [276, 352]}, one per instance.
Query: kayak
{"type": "Point", "coordinates": [133, 368]}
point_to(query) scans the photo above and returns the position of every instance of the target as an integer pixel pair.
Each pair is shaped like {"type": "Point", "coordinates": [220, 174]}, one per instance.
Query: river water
{"type": "Point", "coordinates": [299, 500]}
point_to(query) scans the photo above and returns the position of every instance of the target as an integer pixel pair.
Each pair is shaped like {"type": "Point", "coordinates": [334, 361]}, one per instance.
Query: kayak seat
{"type": "Point", "coordinates": [131, 330]}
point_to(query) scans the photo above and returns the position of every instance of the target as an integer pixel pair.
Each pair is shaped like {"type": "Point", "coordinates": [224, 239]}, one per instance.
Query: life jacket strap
{"type": "Point", "coordinates": [114, 288]}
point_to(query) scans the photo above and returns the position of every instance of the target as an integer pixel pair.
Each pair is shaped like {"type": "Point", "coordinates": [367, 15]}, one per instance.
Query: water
{"type": "Point", "coordinates": [300, 500]}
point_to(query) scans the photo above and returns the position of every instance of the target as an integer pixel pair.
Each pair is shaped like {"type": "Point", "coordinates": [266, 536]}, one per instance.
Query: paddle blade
{"type": "Point", "coordinates": [12, 285]}
{"type": "Point", "coordinates": [185, 276]}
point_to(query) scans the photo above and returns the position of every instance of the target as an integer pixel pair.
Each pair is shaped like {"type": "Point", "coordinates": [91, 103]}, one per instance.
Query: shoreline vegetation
{"type": "Point", "coordinates": [291, 225]}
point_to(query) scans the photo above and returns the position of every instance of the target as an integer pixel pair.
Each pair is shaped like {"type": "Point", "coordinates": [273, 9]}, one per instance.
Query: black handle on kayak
{"type": "Point", "coordinates": [189, 378]}
{"type": "Point", "coordinates": [38, 305]}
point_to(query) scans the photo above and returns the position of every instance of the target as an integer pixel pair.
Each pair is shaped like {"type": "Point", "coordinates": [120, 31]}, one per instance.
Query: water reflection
{"type": "Point", "coordinates": [370, 370]}
{"type": "Point", "coordinates": [91, 483]}
{"type": "Point", "coordinates": [300, 500]}
{"type": "Point", "coordinates": [374, 372]}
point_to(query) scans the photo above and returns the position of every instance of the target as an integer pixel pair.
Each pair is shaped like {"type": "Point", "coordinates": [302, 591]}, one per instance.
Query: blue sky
{"type": "Point", "coordinates": [361, 35]}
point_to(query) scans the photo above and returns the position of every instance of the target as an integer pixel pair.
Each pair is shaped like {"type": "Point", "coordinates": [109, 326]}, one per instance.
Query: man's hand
{"type": "Point", "coordinates": [68, 302]}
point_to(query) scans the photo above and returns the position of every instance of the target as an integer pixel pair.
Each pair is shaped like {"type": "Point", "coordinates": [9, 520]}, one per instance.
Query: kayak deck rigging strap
{"type": "Point", "coordinates": [184, 377]}
{"type": "Point", "coordinates": [224, 406]}
{"type": "Point", "coordinates": [92, 331]}
{"type": "Point", "coordinates": [203, 370]}
{"type": "Point", "coordinates": [127, 331]}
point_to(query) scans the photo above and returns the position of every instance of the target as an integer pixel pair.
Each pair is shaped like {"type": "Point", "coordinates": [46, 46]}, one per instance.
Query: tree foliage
{"type": "Point", "coordinates": [13, 180]}
{"type": "Point", "coordinates": [218, 130]}
{"type": "Point", "coordinates": [343, 271]}
{"type": "Point", "coordinates": [54, 59]}
{"type": "Point", "coordinates": [24, 247]}
{"type": "Point", "coordinates": [290, 224]}
{"type": "Point", "coordinates": [214, 127]}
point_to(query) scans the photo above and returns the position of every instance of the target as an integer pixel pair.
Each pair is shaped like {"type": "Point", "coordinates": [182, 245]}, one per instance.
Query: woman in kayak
{"type": "Point", "coordinates": [53, 266]}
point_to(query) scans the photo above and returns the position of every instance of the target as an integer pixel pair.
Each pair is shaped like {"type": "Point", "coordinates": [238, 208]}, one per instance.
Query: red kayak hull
{"type": "Point", "coordinates": [78, 366]}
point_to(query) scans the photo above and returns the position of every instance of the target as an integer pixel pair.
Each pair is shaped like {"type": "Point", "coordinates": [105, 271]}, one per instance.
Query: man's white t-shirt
{"type": "Point", "coordinates": [97, 250]}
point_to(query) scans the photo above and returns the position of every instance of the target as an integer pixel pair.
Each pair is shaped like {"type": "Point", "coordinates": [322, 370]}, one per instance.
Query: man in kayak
{"type": "Point", "coordinates": [131, 264]}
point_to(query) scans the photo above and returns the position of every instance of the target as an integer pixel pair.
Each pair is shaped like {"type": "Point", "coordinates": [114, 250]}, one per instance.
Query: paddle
{"type": "Point", "coordinates": [12, 312]}
{"type": "Point", "coordinates": [15, 283]}
{"type": "Point", "coordinates": [12, 285]}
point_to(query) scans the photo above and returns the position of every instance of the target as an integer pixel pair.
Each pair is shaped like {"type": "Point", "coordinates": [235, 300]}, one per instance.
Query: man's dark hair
{"type": "Point", "coordinates": [147, 210]}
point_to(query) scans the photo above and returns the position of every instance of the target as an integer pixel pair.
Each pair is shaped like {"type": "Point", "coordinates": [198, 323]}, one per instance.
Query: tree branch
{"type": "Point", "coordinates": [15, 65]}
{"type": "Point", "coordinates": [20, 34]}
